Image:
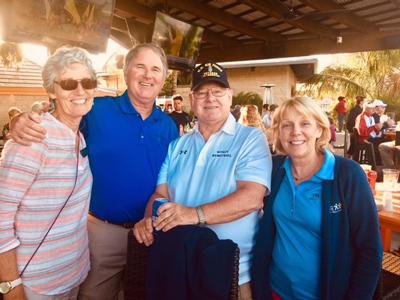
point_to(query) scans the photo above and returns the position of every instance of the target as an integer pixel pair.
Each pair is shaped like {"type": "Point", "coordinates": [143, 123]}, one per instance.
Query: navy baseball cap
{"type": "Point", "coordinates": [209, 71]}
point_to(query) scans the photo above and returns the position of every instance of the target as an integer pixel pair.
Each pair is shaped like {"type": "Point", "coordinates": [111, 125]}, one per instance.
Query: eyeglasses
{"type": "Point", "coordinates": [215, 91]}
{"type": "Point", "coordinates": [72, 84]}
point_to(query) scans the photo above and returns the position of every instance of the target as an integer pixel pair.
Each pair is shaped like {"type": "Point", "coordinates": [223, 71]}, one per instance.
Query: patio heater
{"type": "Point", "coordinates": [268, 94]}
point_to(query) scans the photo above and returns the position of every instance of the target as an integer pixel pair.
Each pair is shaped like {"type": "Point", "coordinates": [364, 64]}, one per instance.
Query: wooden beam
{"type": "Point", "coordinates": [127, 8]}
{"type": "Point", "coordinates": [348, 19]}
{"type": "Point", "coordinates": [224, 19]}
{"type": "Point", "coordinates": [119, 24]}
{"type": "Point", "coordinates": [395, 2]}
{"type": "Point", "coordinates": [121, 38]}
{"type": "Point", "coordinates": [310, 26]}
{"type": "Point", "coordinates": [351, 43]}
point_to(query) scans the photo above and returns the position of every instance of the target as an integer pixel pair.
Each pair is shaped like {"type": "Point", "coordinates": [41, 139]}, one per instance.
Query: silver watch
{"type": "Point", "coordinates": [7, 286]}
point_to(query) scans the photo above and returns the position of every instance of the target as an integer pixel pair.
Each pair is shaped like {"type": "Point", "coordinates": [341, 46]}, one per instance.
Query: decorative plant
{"type": "Point", "coordinates": [11, 54]}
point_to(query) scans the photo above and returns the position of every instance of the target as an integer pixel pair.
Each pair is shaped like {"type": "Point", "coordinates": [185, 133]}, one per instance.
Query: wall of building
{"type": "Point", "coordinates": [251, 79]}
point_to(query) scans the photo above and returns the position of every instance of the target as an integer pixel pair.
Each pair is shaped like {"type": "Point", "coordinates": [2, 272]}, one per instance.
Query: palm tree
{"type": "Point", "coordinates": [10, 54]}
{"type": "Point", "coordinates": [373, 74]}
{"type": "Point", "coordinates": [174, 81]}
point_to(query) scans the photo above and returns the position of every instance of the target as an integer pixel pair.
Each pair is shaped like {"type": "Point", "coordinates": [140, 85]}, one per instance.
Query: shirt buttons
{"type": "Point", "coordinates": [142, 136]}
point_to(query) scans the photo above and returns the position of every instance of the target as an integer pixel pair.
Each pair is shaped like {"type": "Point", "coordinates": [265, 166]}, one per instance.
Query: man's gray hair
{"type": "Point", "coordinates": [134, 52]}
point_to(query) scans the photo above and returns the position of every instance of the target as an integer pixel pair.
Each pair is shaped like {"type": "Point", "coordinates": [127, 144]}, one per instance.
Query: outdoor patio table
{"type": "Point", "coordinates": [390, 135]}
{"type": "Point", "coordinates": [389, 220]}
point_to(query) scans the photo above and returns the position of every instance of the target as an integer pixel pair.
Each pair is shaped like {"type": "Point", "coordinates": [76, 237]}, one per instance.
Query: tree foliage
{"type": "Point", "coordinates": [10, 54]}
{"type": "Point", "coordinates": [173, 79]}
{"type": "Point", "coordinates": [374, 74]}
{"type": "Point", "coordinates": [185, 78]}
{"type": "Point", "coordinates": [248, 98]}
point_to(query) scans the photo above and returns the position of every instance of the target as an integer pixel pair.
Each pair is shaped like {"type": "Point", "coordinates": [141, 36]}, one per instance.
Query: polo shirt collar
{"type": "Point", "coordinates": [228, 127]}
{"type": "Point", "coordinates": [128, 108]}
{"type": "Point", "coordinates": [327, 171]}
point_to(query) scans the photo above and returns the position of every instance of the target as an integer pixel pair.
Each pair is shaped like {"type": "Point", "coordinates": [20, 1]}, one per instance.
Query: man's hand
{"type": "Point", "coordinates": [25, 129]}
{"type": "Point", "coordinates": [172, 214]}
{"type": "Point", "coordinates": [143, 231]}
{"type": "Point", "coordinates": [378, 126]}
{"type": "Point", "coordinates": [391, 122]}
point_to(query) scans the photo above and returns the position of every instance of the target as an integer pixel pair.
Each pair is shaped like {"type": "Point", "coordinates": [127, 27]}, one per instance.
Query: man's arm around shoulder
{"type": "Point", "coordinates": [25, 129]}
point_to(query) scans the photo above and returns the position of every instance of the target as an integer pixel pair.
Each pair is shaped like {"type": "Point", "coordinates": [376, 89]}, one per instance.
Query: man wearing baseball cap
{"type": "Point", "coordinates": [216, 175]}
{"type": "Point", "coordinates": [366, 127]}
{"type": "Point", "coordinates": [379, 115]}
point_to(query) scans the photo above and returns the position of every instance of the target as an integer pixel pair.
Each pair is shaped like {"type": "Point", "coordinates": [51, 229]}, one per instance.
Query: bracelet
{"type": "Point", "coordinates": [200, 214]}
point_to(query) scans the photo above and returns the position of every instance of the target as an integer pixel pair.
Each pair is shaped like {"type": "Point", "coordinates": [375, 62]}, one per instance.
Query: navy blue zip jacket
{"type": "Point", "coordinates": [351, 244]}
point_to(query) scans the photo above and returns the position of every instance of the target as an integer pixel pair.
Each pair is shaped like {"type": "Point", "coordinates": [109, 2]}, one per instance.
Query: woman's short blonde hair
{"type": "Point", "coordinates": [309, 109]}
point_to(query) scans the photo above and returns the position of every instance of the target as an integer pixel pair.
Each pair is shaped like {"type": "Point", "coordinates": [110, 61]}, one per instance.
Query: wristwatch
{"type": "Point", "coordinates": [200, 215]}
{"type": "Point", "coordinates": [7, 286]}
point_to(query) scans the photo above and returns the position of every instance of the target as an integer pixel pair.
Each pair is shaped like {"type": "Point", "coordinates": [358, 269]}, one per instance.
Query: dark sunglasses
{"type": "Point", "coordinates": [72, 84]}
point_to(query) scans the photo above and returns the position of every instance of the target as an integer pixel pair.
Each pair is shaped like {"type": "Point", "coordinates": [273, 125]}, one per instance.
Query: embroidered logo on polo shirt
{"type": "Point", "coordinates": [183, 152]}
{"type": "Point", "coordinates": [335, 208]}
{"type": "Point", "coordinates": [222, 153]}
{"type": "Point", "coordinates": [315, 196]}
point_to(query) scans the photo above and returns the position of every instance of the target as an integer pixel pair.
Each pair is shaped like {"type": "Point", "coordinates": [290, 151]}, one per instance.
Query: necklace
{"type": "Point", "coordinates": [308, 174]}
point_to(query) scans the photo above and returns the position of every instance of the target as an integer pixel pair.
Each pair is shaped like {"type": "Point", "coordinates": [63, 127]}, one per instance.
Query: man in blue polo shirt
{"type": "Point", "coordinates": [127, 139]}
{"type": "Point", "coordinates": [215, 175]}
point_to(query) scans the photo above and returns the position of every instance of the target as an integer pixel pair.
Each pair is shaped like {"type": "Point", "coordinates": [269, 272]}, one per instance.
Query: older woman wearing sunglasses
{"type": "Point", "coordinates": [45, 183]}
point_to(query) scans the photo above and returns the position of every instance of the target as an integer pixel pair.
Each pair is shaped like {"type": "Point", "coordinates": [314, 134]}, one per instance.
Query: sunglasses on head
{"type": "Point", "coordinates": [72, 84]}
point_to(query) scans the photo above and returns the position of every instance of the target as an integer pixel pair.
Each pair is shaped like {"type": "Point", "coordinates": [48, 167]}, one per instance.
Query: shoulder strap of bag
{"type": "Point", "coordinates": [55, 219]}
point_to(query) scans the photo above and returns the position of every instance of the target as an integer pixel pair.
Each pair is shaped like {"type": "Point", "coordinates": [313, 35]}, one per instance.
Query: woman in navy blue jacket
{"type": "Point", "coordinates": [319, 237]}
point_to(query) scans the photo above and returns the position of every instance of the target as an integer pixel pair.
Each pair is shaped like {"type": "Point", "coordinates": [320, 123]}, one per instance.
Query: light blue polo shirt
{"type": "Point", "coordinates": [198, 173]}
{"type": "Point", "coordinates": [296, 265]}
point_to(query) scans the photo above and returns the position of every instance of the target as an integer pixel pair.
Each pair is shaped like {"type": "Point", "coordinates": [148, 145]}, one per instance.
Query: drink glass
{"type": "Point", "coordinates": [366, 168]}
{"type": "Point", "coordinates": [390, 177]}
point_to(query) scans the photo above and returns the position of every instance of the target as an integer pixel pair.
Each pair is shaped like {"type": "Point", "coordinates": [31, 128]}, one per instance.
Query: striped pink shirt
{"type": "Point", "coordinates": [35, 182]}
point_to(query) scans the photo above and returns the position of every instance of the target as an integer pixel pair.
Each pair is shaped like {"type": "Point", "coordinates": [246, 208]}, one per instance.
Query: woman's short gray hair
{"type": "Point", "coordinates": [134, 52]}
{"type": "Point", "coordinates": [308, 108]}
{"type": "Point", "coordinates": [36, 107]}
{"type": "Point", "coordinates": [61, 60]}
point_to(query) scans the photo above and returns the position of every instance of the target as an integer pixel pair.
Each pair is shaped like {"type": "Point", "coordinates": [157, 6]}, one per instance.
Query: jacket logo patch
{"type": "Point", "coordinates": [335, 208]}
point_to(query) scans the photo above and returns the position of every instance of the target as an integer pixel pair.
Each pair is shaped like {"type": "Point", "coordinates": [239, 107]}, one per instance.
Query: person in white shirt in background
{"type": "Point", "coordinates": [265, 115]}
{"type": "Point", "coordinates": [385, 149]}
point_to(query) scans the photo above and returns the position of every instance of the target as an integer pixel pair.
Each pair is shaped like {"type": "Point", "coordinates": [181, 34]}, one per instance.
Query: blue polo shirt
{"type": "Point", "coordinates": [296, 265]}
{"type": "Point", "coordinates": [199, 172]}
{"type": "Point", "coordinates": [125, 155]}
